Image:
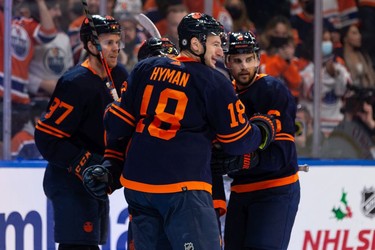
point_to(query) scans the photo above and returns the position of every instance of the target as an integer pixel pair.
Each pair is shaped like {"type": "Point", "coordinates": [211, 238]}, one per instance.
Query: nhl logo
{"type": "Point", "coordinates": [189, 246]}
{"type": "Point", "coordinates": [368, 202]}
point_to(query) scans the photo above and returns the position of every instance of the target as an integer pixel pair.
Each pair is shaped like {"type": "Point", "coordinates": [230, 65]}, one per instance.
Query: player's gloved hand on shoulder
{"type": "Point", "coordinates": [82, 161]}
{"type": "Point", "coordinates": [101, 180]}
{"type": "Point", "coordinates": [267, 125]}
{"type": "Point", "coordinates": [223, 163]}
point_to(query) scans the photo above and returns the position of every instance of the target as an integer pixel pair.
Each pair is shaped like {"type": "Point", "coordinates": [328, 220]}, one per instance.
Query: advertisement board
{"type": "Point", "coordinates": [337, 210]}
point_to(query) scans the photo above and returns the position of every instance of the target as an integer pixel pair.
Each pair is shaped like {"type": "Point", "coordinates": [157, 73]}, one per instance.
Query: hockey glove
{"type": "Point", "coordinates": [223, 163]}
{"type": "Point", "coordinates": [267, 126]}
{"type": "Point", "coordinates": [248, 161]}
{"type": "Point", "coordinates": [96, 180]}
{"type": "Point", "coordinates": [83, 161]}
{"type": "Point", "coordinates": [100, 180]}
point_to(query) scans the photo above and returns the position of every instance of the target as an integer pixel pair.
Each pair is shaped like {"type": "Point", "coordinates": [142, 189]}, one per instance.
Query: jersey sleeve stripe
{"type": "Point", "coordinates": [53, 131]}
{"type": "Point", "coordinates": [110, 156]}
{"type": "Point", "coordinates": [235, 136]}
{"type": "Point", "coordinates": [166, 188]}
{"type": "Point", "coordinates": [123, 111]}
{"type": "Point", "coordinates": [48, 132]}
{"type": "Point", "coordinates": [114, 154]}
{"type": "Point", "coordinates": [123, 115]}
{"type": "Point", "coordinates": [284, 137]}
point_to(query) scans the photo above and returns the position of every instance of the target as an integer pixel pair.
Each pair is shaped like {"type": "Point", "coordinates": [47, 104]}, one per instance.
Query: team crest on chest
{"type": "Point", "coordinates": [54, 60]}
{"type": "Point", "coordinates": [20, 42]}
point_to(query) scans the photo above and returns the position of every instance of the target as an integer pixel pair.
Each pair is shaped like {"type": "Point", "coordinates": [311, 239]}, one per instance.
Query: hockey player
{"type": "Point", "coordinates": [70, 136]}
{"type": "Point", "coordinates": [169, 115]}
{"type": "Point", "coordinates": [264, 198]}
{"type": "Point", "coordinates": [157, 47]}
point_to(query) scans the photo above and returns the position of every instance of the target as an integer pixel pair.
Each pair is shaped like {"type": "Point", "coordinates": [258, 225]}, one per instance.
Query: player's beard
{"type": "Point", "coordinates": [244, 79]}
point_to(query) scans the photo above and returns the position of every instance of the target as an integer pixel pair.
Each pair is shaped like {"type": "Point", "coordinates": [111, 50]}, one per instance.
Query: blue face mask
{"type": "Point", "coordinates": [327, 48]}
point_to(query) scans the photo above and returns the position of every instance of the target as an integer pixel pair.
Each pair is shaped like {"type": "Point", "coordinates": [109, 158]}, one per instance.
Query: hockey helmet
{"type": "Point", "coordinates": [103, 25]}
{"type": "Point", "coordinates": [156, 47]}
{"type": "Point", "coordinates": [198, 25]}
{"type": "Point", "coordinates": [242, 43]}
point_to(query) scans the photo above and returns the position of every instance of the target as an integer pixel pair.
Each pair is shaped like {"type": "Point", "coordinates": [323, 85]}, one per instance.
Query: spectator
{"type": "Point", "coordinates": [156, 10]}
{"type": "Point", "coordinates": [238, 13]}
{"type": "Point", "coordinates": [366, 15]}
{"type": "Point", "coordinates": [356, 59]}
{"type": "Point", "coordinates": [303, 22]}
{"type": "Point", "coordinates": [358, 121]}
{"type": "Point", "coordinates": [261, 11]}
{"type": "Point", "coordinates": [340, 13]}
{"type": "Point", "coordinates": [278, 58]}
{"type": "Point", "coordinates": [174, 15]}
{"type": "Point", "coordinates": [335, 78]}
{"type": "Point", "coordinates": [26, 34]}
{"type": "Point", "coordinates": [219, 12]}
{"type": "Point", "coordinates": [132, 38]}
{"type": "Point", "coordinates": [23, 145]}
{"type": "Point", "coordinates": [50, 60]}
{"type": "Point", "coordinates": [304, 134]}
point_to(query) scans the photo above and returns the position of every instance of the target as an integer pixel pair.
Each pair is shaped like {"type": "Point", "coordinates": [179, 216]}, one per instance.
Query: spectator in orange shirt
{"type": "Point", "coordinates": [278, 58]}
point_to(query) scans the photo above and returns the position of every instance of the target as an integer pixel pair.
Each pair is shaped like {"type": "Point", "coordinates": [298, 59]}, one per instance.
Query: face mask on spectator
{"type": "Point", "coordinates": [235, 12]}
{"type": "Point", "coordinates": [278, 42]}
{"type": "Point", "coordinates": [327, 48]}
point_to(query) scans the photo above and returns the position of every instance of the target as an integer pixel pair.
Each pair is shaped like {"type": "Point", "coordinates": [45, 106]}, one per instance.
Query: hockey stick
{"type": "Point", "coordinates": [148, 25]}
{"type": "Point", "coordinates": [304, 168]}
{"type": "Point", "coordinates": [110, 84]}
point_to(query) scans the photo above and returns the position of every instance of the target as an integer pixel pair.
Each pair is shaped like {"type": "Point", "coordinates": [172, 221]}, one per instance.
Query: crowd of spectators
{"type": "Point", "coordinates": [284, 30]}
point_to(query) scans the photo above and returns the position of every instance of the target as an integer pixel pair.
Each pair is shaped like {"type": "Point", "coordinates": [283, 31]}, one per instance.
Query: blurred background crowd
{"type": "Point", "coordinates": [285, 33]}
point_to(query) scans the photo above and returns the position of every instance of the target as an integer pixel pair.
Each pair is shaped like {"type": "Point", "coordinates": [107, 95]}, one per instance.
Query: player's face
{"type": "Point", "coordinates": [214, 51]}
{"type": "Point", "coordinates": [243, 67]}
{"type": "Point", "coordinates": [110, 44]}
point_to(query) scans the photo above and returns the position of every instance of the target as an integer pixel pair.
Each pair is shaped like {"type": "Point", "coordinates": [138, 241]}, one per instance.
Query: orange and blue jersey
{"type": "Point", "coordinates": [74, 115]}
{"type": "Point", "coordinates": [168, 117]}
{"type": "Point", "coordinates": [25, 34]}
{"type": "Point", "coordinates": [278, 162]}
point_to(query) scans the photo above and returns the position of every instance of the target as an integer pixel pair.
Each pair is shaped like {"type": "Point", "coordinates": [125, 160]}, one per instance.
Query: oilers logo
{"type": "Point", "coordinates": [20, 42]}
{"type": "Point", "coordinates": [54, 60]}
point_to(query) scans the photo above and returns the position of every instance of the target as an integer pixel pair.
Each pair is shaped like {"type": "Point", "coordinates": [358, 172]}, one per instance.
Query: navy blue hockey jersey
{"type": "Point", "coordinates": [170, 113]}
{"type": "Point", "coordinates": [73, 120]}
{"type": "Point", "coordinates": [278, 162]}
